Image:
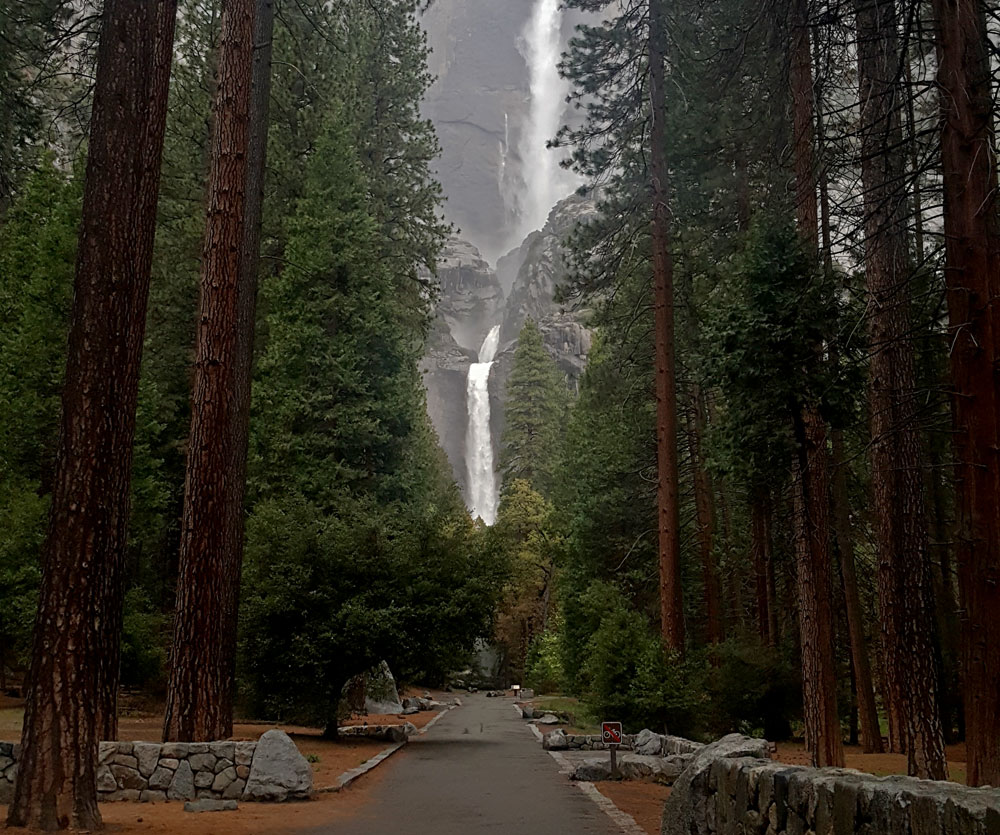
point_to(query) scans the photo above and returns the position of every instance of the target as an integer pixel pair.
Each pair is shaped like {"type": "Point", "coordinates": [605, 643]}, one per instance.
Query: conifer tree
{"type": "Point", "coordinates": [537, 402]}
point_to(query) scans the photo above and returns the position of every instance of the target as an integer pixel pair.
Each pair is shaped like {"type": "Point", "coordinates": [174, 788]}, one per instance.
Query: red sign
{"type": "Point", "coordinates": [611, 733]}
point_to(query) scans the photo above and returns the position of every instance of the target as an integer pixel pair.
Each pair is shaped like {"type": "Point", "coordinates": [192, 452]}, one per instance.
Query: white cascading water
{"type": "Point", "coordinates": [479, 438]}
{"type": "Point", "coordinates": [545, 181]}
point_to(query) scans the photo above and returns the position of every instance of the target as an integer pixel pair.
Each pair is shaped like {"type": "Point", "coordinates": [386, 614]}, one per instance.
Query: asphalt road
{"type": "Point", "coordinates": [479, 769]}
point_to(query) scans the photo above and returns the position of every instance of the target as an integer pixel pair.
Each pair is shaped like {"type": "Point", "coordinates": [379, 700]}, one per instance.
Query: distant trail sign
{"type": "Point", "coordinates": [611, 733]}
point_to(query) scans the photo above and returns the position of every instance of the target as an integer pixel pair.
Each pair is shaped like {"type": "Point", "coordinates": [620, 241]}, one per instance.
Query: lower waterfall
{"type": "Point", "coordinates": [479, 438]}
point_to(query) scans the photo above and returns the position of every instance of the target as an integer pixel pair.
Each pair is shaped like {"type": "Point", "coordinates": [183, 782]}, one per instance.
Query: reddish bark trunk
{"type": "Point", "coordinates": [668, 511]}
{"type": "Point", "coordinates": [760, 549]}
{"type": "Point", "coordinates": [200, 693]}
{"type": "Point", "coordinates": [815, 593]}
{"type": "Point", "coordinates": [74, 671]}
{"type": "Point", "coordinates": [972, 234]}
{"type": "Point", "coordinates": [705, 517]}
{"type": "Point", "coordinates": [811, 516]}
{"type": "Point", "coordinates": [897, 482]}
{"type": "Point", "coordinates": [871, 734]}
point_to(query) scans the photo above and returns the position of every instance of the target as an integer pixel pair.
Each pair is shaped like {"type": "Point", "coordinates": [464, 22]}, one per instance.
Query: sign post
{"type": "Point", "coordinates": [611, 733]}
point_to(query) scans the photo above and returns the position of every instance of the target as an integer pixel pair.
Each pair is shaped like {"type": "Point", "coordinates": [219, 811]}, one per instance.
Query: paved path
{"type": "Point", "coordinates": [479, 769]}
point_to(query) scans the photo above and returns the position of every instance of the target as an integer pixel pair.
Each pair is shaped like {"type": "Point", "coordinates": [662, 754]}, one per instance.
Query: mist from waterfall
{"type": "Point", "coordinates": [479, 437]}
{"type": "Point", "coordinates": [545, 182]}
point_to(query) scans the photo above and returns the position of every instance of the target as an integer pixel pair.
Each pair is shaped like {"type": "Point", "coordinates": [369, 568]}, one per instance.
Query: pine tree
{"type": "Point", "coordinates": [972, 274]}
{"type": "Point", "coordinates": [200, 693]}
{"type": "Point", "coordinates": [73, 681]}
{"type": "Point", "coordinates": [536, 410]}
{"type": "Point", "coordinates": [897, 482]}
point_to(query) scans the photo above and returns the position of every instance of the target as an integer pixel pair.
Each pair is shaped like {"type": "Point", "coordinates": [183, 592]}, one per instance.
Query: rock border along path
{"type": "Point", "coordinates": [623, 820]}
{"type": "Point", "coordinates": [348, 777]}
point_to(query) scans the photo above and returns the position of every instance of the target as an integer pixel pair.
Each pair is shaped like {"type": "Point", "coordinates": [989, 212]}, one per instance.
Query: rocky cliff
{"type": "Point", "coordinates": [479, 105]}
{"type": "Point", "coordinates": [472, 301]}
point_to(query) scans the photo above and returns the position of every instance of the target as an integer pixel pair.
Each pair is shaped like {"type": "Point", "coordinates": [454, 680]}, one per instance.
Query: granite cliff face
{"type": "Point", "coordinates": [496, 101]}
{"type": "Point", "coordinates": [472, 301]}
{"type": "Point", "coordinates": [479, 105]}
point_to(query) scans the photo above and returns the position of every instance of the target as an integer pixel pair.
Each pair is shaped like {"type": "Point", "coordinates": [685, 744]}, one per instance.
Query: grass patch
{"type": "Point", "coordinates": [581, 719]}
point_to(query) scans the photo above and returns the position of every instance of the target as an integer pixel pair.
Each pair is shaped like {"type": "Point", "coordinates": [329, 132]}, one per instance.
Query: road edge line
{"type": "Point", "coordinates": [353, 774]}
{"type": "Point", "coordinates": [433, 721]}
{"type": "Point", "coordinates": [623, 820]}
{"type": "Point", "coordinates": [348, 777]}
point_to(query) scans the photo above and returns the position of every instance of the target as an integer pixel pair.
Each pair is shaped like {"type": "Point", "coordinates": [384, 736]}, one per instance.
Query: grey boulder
{"type": "Point", "coordinates": [548, 719]}
{"type": "Point", "coordinates": [684, 813]}
{"type": "Point", "coordinates": [555, 741]}
{"type": "Point", "coordinates": [648, 743]}
{"type": "Point", "coordinates": [207, 805]}
{"type": "Point", "coordinates": [278, 771]}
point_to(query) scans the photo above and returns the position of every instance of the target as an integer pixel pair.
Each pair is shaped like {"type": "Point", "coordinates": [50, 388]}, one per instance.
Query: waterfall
{"type": "Point", "coordinates": [479, 438]}
{"type": "Point", "coordinates": [545, 182]}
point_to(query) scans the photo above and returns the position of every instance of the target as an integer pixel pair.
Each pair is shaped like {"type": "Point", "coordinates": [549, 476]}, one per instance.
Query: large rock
{"type": "Point", "coordinates": [555, 741]}
{"type": "Point", "coordinates": [631, 767]}
{"type": "Point", "coordinates": [278, 771]}
{"type": "Point", "coordinates": [381, 694]}
{"type": "Point", "coordinates": [182, 786]}
{"type": "Point", "coordinates": [648, 743]}
{"type": "Point", "coordinates": [686, 810]}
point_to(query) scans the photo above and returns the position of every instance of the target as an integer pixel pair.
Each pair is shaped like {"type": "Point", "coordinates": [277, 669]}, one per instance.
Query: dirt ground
{"type": "Point", "coordinates": [881, 765]}
{"type": "Point", "coordinates": [332, 758]}
{"type": "Point", "coordinates": [643, 801]}
{"type": "Point", "coordinates": [249, 819]}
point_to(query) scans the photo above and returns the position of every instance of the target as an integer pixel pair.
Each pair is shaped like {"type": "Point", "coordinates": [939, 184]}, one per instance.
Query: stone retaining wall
{"type": "Point", "coordinates": [272, 769]}
{"type": "Point", "coordinates": [643, 742]}
{"type": "Point", "coordinates": [725, 792]}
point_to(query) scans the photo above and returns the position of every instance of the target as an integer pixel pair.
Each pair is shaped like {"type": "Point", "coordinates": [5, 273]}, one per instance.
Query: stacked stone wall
{"type": "Point", "coordinates": [148, 772]}
{"type": "Point", "coordinates": [732, 794]}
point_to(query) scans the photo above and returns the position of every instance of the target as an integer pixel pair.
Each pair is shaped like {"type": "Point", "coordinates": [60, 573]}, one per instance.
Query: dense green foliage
{"type": "Point", "coordinates": [359, 547]}
{"type": "Point", "coordinates": [37, 249]}
{"type": "Point", "coordinates": [537, 403]}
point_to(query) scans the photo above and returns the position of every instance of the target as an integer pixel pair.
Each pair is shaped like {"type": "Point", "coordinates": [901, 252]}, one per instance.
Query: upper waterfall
{"type": "Point", "coordinates": [545, 182]}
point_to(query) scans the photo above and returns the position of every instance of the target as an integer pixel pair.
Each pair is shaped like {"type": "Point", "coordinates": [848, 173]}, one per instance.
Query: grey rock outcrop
{"type": "Point", "coordinates": [687, 807]}
{"type": "Point", "coordinates": [632, 767]}
{"type": "Point", "coordinates": [381, 695]}
{"type": "Point", "coordinates": [207, 805]}
{"type": "Point", "coordinates": [470, 302]}
{"type": "Point", "coordinates": [278, 771]}
{"type": "Point", "coordinates": [555, 741]}
{"type": "Point", "coordinates": [479, 104]}
{"type": "Point", "coordinates": [731, 795]}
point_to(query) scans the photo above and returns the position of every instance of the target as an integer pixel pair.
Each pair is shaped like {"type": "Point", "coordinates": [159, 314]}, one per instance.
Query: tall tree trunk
{"type": "Point", "coordinates": [200, 693]}
{"type": "Point", "coordinates": [811, 515]}
{"type": "Point", "coordinates": [705, 518]}
{"type": "Point", "coordinates": [247, 313]}
{"type": "Point", "coordinates": [668, 493]}
{"type": "Point", "coordinates": [865, 712]}
{"type": "Point", "coordinates": [74, 670]}
{"type": "Point", "coordinates": [972, 235]}
{"type": "Point", "coordinates": [897, 480]}
{"type": "Point", "coordinates": [864, 688]}
{"type": "Point", "coordinates": [760, 549]}
{"type": "Point", "coordinates": [815, 594]}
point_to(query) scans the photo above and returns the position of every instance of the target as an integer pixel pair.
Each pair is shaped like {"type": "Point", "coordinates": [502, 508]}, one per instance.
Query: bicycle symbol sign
{"type": "Point", "coordinates": [611, 733]}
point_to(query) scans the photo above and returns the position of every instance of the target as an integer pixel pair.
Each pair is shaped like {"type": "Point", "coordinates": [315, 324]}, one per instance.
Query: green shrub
{"type": "Point", "coordinates": [755, 689]}
{"type": "Point", "coordinates": [633, 680]}
{"type": "Point", "coordinates": [544, 669]}
{"type": "Point", "coordinates": [144, 654]}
